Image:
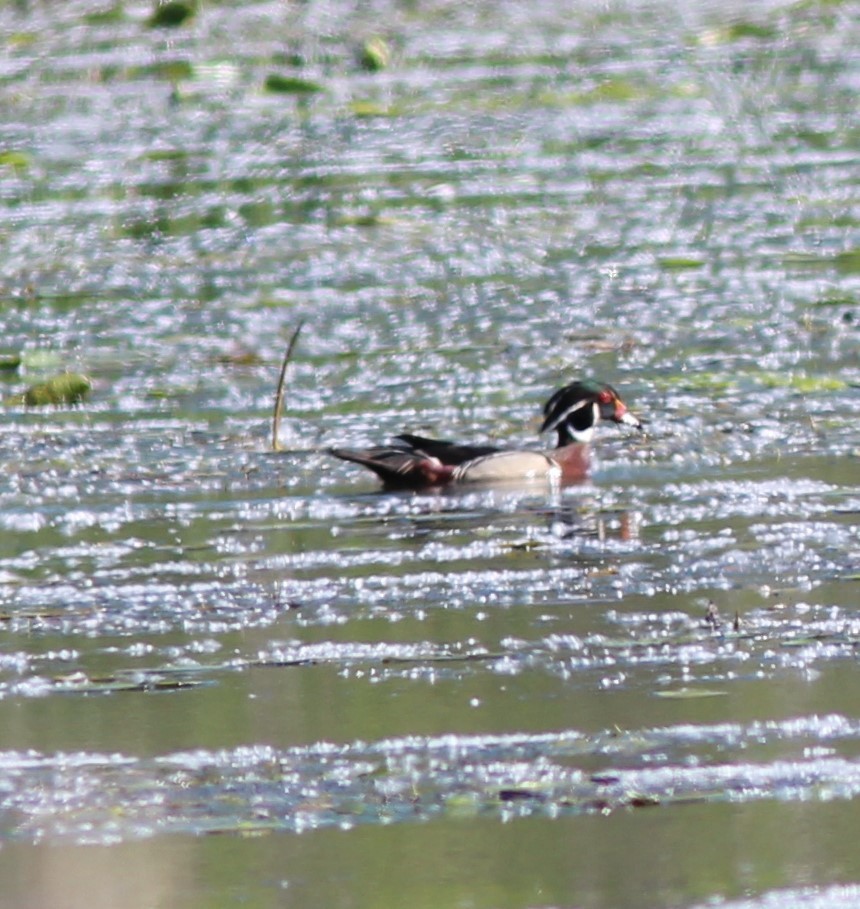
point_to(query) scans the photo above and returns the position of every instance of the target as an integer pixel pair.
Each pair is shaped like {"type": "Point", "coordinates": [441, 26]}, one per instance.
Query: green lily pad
{"type": "Point", "coordinates": [746, 29]}
{"type": "Point", "coordinates": [374, 55]}
{"type": "Point", "coordinates": [169, 70]}
{"type": "Point", "coordinates": [371, 109]}
{"type": "Point", "coordinates": [171, 14]}
{"type": "Point", "coordinates": [290, 85]}
{"type": "Point", "coordinates": [14, 159]}
{"type": "Point", "coordinates": [370, 219]}
{"type": "Point", "coordinates": [679, 263]}
{"type": "Point", "coordinates": [737, 31]}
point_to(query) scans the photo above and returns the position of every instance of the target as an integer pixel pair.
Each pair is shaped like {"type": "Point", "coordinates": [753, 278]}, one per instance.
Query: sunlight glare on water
{"type": "Point", "coordinates": [467, 206]}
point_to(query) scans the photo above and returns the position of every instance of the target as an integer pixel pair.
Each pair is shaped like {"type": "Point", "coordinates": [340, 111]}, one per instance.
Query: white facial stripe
{"type": "Point", "coordinates": [563, 416]}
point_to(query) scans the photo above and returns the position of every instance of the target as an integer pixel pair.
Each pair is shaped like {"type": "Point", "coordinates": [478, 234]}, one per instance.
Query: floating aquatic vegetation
{"type": "Point", "coordinates": [370, 109]}
{"type": "Point", "coordinates": [107, 16]}
{"type": "Point", "coordinates": [134, 680]}
{"type": "Point", "coordinates": [66, 388]}
{"type": "Point", "coordinates": [17, 160]}
{"type": "Point", "coordinates": [93, 797]}
{"type": "Point", "coordinates": [680, 263]}
{"type": "Point", "coordinates": [374, 54]}
{"type": "Point", "coordinates": [172, 13]}
{"type": "Point", "coordinates": [571, 190]}
{"type": "Point", "coordinates": [849, 261]}
{"type": "Point", "coordinates": [290, 85]}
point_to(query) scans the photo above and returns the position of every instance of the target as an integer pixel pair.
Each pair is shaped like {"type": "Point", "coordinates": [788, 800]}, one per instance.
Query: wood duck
{"type": "Point", "coordinates": [414, 462]}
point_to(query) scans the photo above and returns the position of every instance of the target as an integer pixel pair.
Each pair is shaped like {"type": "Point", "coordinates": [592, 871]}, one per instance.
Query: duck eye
{"type": "Point", "coordinates": [605, 397]}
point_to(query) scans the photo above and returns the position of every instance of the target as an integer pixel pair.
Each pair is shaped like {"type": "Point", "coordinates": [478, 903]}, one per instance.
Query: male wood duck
{"type": "Point", "coordinates": [414, 462]}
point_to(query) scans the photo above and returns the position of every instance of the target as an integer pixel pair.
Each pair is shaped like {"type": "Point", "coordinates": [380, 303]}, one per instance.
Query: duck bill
{"type": "Point", "coordinates": [623, 415]}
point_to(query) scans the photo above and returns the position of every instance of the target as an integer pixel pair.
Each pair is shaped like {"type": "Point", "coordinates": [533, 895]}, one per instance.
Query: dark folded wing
{"type": "Point", "coordinates": [398, 467]}
{"type": "Point", "coordinates": [449, 453]}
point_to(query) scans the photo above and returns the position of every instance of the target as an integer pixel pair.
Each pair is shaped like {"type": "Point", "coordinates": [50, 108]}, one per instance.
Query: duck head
{"type": "Point", "coordinates": [574, 411]}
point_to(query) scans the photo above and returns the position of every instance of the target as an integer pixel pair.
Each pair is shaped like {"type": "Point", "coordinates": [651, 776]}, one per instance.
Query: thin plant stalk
{"type": "Point", "coordinates": [282, 387]}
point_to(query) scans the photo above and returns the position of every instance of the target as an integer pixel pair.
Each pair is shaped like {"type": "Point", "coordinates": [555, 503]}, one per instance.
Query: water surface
{"type": "Point", "coordinates": [228, 674]}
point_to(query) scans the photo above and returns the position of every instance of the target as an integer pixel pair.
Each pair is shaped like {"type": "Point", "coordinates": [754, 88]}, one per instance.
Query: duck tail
{"type": "Point", "coordinates": [398, 469]}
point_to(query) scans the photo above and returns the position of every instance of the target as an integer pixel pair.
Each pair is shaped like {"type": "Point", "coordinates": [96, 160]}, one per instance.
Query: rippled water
{"type": "Point", "coordinates": [496, 697]}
